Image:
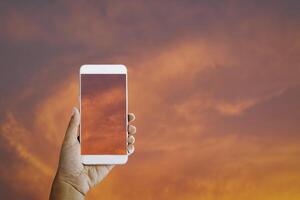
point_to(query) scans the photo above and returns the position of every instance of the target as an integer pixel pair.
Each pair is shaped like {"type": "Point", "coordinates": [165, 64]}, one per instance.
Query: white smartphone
{"type": "Point", "coordinates": [104, 114]}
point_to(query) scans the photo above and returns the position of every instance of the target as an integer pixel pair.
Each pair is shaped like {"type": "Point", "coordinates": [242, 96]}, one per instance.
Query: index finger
{"type": "Point", "coordinates": [131, 117]}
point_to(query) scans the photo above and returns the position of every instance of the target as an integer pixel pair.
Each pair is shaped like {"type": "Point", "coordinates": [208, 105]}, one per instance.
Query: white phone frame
{"type": "Point", "coordinates": [104, 69]}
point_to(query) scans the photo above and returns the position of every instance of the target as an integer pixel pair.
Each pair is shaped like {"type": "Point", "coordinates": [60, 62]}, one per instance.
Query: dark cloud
{"type": "Point", "coordinates": [276, 117]}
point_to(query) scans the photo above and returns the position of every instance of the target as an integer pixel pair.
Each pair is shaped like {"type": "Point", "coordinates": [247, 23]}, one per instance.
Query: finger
{"type": "Point", "coordinates": [131, 117]}
{"type": "Point", "coordinates": [131, 129]}
{"type": "Point", "coordinates": [72, 130]}
{"type": "Point", "coordinates": [130, 149]}
{"type": "Point", "coordinates": [131, 139]}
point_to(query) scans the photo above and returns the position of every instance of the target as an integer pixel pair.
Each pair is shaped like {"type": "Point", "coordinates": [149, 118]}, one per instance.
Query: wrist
{"type": "Point", "coordinates": [62, 188]}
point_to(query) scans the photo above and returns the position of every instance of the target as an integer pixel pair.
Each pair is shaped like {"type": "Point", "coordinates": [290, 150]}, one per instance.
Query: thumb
{"type": "Point", "coordinates": [72, 130]}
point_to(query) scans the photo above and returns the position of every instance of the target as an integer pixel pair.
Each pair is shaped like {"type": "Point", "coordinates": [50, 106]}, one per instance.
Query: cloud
{"type": "Point", "coordinates": [214, 87]}
{"type": "Point", "coordinates": [24, 167]}
{"type": "Point", "coordinates": [11, 131]}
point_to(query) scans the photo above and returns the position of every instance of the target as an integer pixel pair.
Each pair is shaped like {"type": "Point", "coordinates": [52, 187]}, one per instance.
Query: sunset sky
{"type": "Point", "coordinates": [103, 114]}
{"type": "Point", "coordinates": [214, 85]}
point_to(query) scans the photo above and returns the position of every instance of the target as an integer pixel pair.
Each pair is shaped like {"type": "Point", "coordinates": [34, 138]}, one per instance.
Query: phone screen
{"type": "Point", "coordinates": [103, 114]}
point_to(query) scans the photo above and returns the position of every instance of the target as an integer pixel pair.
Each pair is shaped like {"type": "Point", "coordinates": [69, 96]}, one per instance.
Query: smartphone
{"type": "Point", "coordinates": [103, 112]}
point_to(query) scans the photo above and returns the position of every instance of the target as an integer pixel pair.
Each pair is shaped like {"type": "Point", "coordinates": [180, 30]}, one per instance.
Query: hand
{"type": "Point", "coordinates": [71, 173]}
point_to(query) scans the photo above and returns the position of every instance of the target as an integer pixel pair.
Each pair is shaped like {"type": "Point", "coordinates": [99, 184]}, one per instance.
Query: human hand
{"type": "Point", "coordinates": [71, 173]}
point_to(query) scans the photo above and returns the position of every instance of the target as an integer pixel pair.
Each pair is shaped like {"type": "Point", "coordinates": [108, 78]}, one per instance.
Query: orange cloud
{"type": "Point", "coordinates": [215, 88]}
{"type": "Point", "coordinates": [15, 135]}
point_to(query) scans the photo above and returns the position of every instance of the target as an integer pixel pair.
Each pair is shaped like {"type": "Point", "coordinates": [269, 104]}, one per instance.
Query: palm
{"type": "Point", "coordinates": [83, 176]}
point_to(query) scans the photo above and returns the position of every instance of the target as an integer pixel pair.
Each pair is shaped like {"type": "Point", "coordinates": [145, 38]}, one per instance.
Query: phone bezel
{"type": "Point", "coordinates": [104, 69]}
